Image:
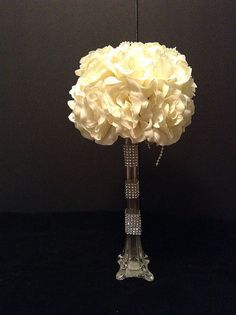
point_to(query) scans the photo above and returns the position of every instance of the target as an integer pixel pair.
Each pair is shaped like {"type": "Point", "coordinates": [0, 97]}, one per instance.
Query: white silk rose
{"type": "Point", "coordinates": [137, 91]}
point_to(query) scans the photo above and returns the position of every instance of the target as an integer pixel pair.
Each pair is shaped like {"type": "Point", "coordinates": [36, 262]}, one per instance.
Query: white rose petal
{"type": "Point", "coordinates": [137, 91]}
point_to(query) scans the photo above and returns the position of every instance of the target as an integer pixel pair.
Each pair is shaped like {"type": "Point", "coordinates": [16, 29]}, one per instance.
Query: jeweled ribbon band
{"type": "Point", "coordinates": [133, 225]}
{"type": "Point", "coordinates": [131, 155]}
{"type": "Point", "coordinates": [131, 189]}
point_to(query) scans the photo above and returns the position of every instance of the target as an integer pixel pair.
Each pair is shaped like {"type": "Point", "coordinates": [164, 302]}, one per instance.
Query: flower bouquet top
{"type": "Point", "coordinates": [137, 91]}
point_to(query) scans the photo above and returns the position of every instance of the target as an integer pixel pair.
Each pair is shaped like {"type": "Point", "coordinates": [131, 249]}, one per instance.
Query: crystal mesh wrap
{"type": "Point", "coordinates": [131, 155]}
{"type": "Point", "coordinates": [133, 224]}
{"type": "Point", "coordinates": [131, 190]}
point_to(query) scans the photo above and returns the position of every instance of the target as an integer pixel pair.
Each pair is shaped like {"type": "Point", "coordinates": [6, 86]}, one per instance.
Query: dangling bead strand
{"type": "Point", "coordinates": [160, 155]}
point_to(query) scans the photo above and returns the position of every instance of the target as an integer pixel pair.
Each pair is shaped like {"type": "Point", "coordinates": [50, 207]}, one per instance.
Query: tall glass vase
{"type": "Point", "coordinates": [133, 261]}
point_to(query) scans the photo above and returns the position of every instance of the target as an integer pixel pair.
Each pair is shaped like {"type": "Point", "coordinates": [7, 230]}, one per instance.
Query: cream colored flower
{"type": "Point", "coordinates": [137, 91]}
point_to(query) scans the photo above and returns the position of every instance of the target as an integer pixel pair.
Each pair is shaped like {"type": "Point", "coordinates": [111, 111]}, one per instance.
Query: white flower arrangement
{"type": "Point", "coordinates": [137, 91]}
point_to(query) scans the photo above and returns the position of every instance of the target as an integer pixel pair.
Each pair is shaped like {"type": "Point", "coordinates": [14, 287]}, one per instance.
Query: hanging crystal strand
{"type": "Point", "coordinates": [160, 155]}
{"type": "Point", "coordinates": [133, 262]}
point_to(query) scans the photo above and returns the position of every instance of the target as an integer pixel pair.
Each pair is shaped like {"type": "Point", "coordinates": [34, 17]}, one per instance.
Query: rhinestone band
{"type": "Point", "coordinates": [132, 189]}
{"type": "Point", "coordinates": [133, 224]}
{"type": "Point", "coordinates": [131, 155]}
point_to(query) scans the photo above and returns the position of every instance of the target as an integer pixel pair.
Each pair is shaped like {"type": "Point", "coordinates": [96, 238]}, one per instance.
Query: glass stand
{"type": "Point", "coordinates": [133, 261]}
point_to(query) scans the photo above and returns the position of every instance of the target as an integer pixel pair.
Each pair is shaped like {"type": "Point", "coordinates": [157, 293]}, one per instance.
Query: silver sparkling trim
{"type": "Point", "coordinates": [132, 189]}
{"type": "Point", "coordinates": [133, 224]}
{"type": "Point", "coordinates": [131, 155]}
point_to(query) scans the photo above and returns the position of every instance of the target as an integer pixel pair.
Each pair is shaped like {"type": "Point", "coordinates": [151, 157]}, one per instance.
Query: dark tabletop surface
{"type": "Point", "coordinates": [65, 263]}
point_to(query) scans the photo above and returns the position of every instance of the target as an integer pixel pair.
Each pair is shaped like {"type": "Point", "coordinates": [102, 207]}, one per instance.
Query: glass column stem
{"type": "Point", "coordinates": [133, 261]}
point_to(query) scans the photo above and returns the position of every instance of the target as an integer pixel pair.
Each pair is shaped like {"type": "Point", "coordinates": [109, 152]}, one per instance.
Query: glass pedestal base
{"type": "Point", "coordinates": [133, 262]}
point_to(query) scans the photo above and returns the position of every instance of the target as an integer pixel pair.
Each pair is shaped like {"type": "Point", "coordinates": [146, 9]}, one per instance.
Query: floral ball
{"type": "Point", "coordinates": [137, 91]}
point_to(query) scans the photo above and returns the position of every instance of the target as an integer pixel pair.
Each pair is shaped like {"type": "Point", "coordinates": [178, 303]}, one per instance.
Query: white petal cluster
{"type": "Point", "coordinates": [137, 91]}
